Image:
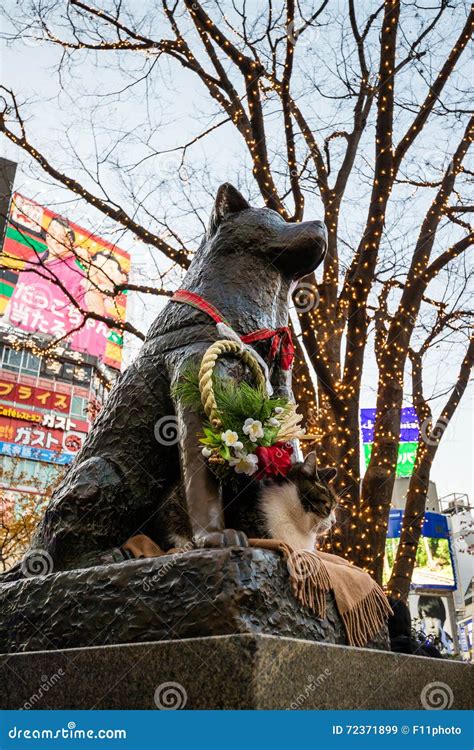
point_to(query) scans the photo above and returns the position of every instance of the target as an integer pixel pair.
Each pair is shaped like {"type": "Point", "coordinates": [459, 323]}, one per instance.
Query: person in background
{"type": "Point", "coordinates": [60, 238]}
{"type": "Point", "coordinates": [104, 273]}
{"type": "Point", "coordinates": [432, 613]}
{"type": "Point", "coordinates": [62, 259]}
{"type": "Point", "coordinates": [58, 265]}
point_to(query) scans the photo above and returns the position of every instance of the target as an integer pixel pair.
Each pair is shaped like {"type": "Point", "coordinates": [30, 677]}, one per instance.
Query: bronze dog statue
{"type": "Point", "coordinates": [143, 444]}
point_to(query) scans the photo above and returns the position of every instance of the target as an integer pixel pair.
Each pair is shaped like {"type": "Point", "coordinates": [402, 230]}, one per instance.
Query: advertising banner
{"type": "Point", "coordinates": [434, 567]}
{"type": "Point", "coordinates": [40, 436]}
{"type": "Point", "coordinates": [409, 431]}
{"type": "Point", "coordinates": [465, 638]}
{"type": "Point", "coordinates": [405, 460]}
{"type": "Point", "coordinates": [430, 614]}
{"type": "Point", "coordinates": [48, 264]}
{"type": "Point", "coordinates": [36, 423]}
{"type": "Point", "coordinates": [36, 454]}
{"type": "Point", "coordinates": [409, 436]}
{"type": "Point", "coordinates": [28, 395]}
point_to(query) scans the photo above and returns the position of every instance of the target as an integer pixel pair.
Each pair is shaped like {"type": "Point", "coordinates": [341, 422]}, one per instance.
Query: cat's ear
{"type": "Point", "coordinates": [327, 474]}
{"type": "Point", "coordinates": [309, 466]}
{"type": "Point", "coordinates": [228, 201]}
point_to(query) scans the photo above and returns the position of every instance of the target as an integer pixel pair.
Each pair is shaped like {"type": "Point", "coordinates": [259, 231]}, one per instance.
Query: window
{"type": "Point", "coordinates": [30, 364]}
{"type": "Point", "coordinates": [18, 470]}
{"type": "Point", "coordinates": [22, 360]}
{"type": "Point", "coordinates": [79, 407]}
{"type": "Point", "coordinates": [25, 472]}
{"type": "Point", "coordinates": [12, 359]}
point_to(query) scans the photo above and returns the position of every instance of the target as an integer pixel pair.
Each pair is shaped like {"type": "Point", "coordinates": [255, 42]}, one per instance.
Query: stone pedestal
{"type": "Point", "coordinates": [200, 593]}
{"type": "Point", "coordinates": [247, 671]}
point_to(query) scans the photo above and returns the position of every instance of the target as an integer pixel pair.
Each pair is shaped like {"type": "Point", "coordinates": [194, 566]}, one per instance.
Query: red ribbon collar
{"type": "Point", "coordinates": [280, 337]}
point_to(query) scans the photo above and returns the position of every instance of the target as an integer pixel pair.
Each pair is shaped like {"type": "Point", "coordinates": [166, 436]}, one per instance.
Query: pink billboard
{"type": "Point", "coordinates": [56, 277]}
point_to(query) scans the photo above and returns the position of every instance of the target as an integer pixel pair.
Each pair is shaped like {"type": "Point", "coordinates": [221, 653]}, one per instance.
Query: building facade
{"type": "Point", "coordinates": [60, 352]}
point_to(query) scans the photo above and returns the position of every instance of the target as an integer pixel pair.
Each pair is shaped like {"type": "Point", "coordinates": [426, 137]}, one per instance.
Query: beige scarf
{"type": "Point", "coordinates": [360, 601]}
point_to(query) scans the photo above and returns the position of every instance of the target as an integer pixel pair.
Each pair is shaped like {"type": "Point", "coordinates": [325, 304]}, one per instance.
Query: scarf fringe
{"type": "Point", "coordinates": [366, 618]}
{"type": "Point", "coordinates": [309, 578]}
{"type": "Point", "coordinates": [310, 582]}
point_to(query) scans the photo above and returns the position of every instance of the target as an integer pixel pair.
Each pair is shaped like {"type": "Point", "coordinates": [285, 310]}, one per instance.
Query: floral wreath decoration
{"type": "Point", "coordinates": [245, 431]}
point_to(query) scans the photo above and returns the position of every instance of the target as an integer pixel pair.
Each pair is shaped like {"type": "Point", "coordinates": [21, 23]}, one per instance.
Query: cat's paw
{"type": "Point", "coordinates": [224, 538]}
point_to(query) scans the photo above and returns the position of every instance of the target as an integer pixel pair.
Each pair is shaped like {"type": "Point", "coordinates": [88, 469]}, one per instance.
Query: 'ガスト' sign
{"type": "Point", "coordinates": [37, 436]}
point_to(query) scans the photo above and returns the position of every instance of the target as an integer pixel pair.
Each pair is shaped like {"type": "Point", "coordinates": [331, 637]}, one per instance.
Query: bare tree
{"type": "Point", "coordinates": [19, 515]}
{"type": "Point", "coordinates": [355, 111]}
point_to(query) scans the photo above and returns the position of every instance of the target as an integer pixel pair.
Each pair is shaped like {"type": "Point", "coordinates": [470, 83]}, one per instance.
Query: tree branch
{"type": "Point", "coordinates": [113, 212]}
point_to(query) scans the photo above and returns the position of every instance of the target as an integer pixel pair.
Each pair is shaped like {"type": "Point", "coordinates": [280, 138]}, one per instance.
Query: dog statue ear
{"type": "Point", "coordinates": [228, 201]}
{"type": "Point", "coordinates": [327, 474]}
{"type": "Point", "coordinates": [309, 466]}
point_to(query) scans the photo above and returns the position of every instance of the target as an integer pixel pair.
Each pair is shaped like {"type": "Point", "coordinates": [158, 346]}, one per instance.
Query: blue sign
{"type": "Point", "coordinates": [36, 454]}
{"type": "Point", "coordinates": [409, 430]}
{"type": "Point", "coordinates": [434, 525]}
{"type": "Point", "coordinates": [434, 566]}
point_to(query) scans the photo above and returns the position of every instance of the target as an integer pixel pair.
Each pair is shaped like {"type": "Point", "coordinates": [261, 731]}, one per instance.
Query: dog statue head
{"type": "Point", "coordinates": [294, 249]}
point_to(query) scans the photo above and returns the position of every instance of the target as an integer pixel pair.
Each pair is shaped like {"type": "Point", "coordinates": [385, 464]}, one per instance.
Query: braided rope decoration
{"type": "Point", "coordinates": [206, 371]}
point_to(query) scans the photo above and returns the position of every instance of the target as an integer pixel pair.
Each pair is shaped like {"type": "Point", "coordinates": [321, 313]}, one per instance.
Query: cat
{"type": "Point", "coordinates": [295, 509]}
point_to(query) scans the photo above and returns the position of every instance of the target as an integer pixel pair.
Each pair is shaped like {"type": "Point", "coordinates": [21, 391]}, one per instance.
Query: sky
{"type": "Point", "coordinates": [176, 112]}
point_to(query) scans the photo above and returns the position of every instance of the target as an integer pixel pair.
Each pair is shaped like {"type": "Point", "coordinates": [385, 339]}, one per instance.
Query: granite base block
{"type": "Point", "coordinates": [246, 671]}
{"type": "Point", "coordinates": [200, 593]}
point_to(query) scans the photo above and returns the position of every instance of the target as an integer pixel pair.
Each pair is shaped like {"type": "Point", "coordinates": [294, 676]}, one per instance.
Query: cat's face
{"type": "Point", "coordinates": [314, 488]}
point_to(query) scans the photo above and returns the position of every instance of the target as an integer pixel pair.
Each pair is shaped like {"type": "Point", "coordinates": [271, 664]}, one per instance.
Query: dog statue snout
{"type": "Point", "coordinates": [314, 231]}
{"type": "Point", "coordinates": [302, 247]}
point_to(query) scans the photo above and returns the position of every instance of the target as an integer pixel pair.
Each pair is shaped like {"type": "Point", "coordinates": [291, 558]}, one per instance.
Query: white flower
{"type": "Point", "coordinates": [273, 422]}
{"type": "Point", "coordinates": [253, 428]}
{"type": "Point", "coordinates": [278, 410]}
{"type": "Point", "coordinates": [245, 463]}
{"type": "Point", "coordinates": [231, 439]}
{"type": "Point", "coordinates": [206, 452]}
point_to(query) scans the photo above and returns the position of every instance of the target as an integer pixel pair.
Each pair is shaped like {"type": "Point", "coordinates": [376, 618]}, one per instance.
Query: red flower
{"type": "Point", "coordinates": [274, 460]}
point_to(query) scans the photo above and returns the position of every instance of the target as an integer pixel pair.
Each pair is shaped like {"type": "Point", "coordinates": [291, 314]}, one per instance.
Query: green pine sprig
{"type": "Point", "coordinates": [236, 401]}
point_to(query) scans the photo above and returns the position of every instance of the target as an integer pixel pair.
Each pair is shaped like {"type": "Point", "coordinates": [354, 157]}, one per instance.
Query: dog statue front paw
{"type": "Point", "coordinates": [224, 538]}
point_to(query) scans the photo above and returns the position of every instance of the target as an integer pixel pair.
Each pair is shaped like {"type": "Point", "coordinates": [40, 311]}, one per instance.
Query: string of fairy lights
{"type": "Point", "coordinates": [52, 352]}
